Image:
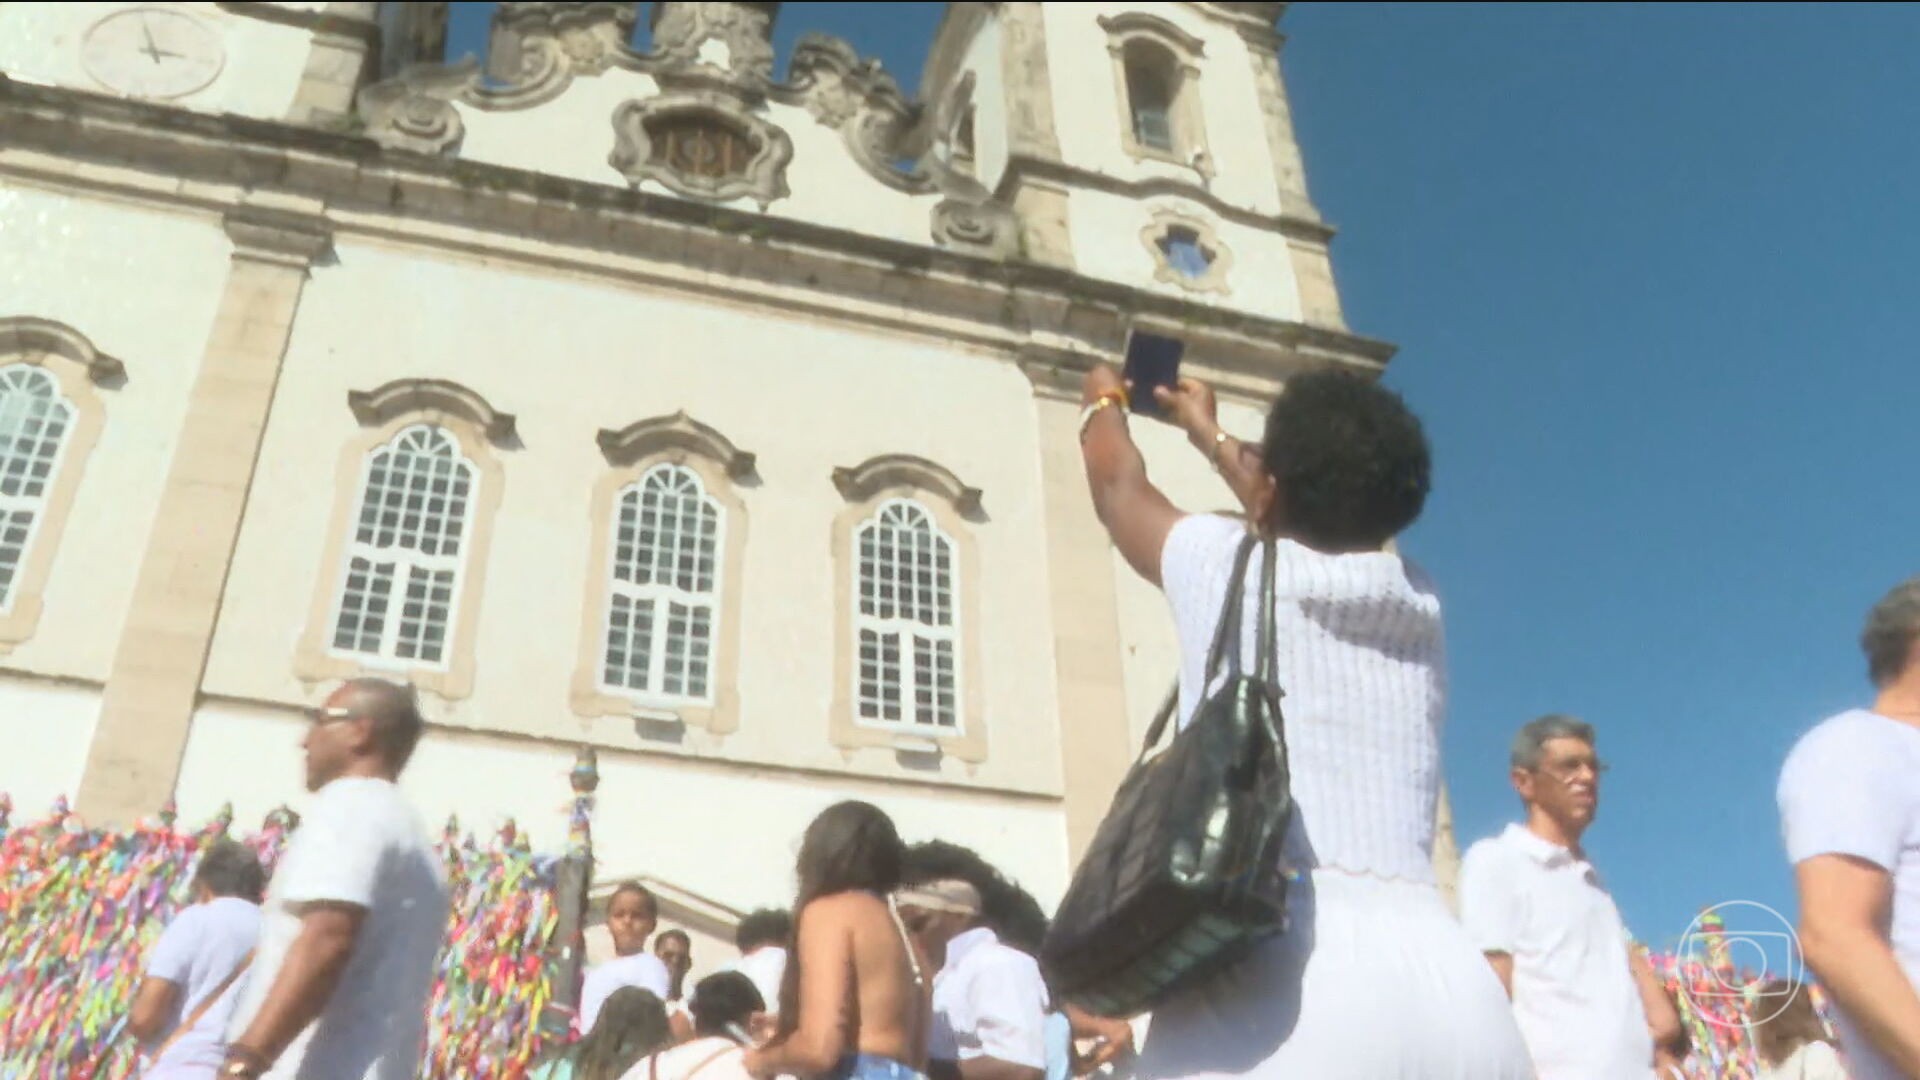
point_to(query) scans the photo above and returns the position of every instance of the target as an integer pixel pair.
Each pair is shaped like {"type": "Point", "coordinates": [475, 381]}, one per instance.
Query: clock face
{"type": "Point", "coordinates": [152, 52]}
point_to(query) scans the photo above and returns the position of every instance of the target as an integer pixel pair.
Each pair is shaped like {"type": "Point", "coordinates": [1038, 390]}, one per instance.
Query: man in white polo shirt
{"type": "Point", "coordinates": [1588, 1005]}
{"type": "Point", "coordinates": [989, 1001]}
{"type": "Point", "coordinates": [1850, 806]}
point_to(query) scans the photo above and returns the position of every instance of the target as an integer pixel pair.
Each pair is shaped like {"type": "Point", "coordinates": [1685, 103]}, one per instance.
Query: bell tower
{"type": "Point", "coordinates": [1151, 144]}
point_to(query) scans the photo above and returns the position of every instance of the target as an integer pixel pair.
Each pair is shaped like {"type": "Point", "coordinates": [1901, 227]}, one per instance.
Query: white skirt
{"type": "Point", "coordinates": [1374, 980]}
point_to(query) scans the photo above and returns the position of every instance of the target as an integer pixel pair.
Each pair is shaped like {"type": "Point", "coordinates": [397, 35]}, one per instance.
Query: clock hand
{"type": "Point", "coordinates": [151, 50]}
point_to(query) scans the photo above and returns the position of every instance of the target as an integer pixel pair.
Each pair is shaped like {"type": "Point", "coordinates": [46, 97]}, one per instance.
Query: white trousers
{"type": "Point", "coordinates": [1374, 980]}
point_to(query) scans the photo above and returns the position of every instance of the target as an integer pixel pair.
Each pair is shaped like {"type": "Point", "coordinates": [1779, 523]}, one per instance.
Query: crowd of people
{"type": "Point", "coordinates": [903, 961]}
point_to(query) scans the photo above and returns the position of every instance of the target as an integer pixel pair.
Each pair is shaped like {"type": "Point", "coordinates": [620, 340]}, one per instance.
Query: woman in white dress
{"type": "Point", "coordinates": [1374, 979]}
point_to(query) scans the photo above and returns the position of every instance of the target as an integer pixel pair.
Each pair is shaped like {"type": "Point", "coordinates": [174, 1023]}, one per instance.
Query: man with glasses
{"type": "Point", "coordinates": [1588, 1005]}
{"type": "Point", "coordinates": [356, 913]}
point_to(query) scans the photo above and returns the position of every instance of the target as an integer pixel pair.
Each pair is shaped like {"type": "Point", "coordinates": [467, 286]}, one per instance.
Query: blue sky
{"type": "Point", "coordinates": [1652, 270]}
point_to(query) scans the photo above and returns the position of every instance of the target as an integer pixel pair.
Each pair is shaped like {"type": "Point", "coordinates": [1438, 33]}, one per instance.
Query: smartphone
{"type": "Point", "coordinates": [1152, 361]}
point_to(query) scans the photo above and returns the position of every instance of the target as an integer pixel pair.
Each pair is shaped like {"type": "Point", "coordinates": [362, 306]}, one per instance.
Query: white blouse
{"type": "Point", "coordinates": [1361, 662]}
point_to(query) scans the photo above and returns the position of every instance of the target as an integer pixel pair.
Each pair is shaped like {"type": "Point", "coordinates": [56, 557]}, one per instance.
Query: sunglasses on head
{"type": "Point", "coordinates": [321, 715]}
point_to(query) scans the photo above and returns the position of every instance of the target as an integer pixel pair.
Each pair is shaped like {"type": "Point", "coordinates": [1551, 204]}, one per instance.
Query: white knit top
{"type": "Point", "coordinates": [1361, 661]}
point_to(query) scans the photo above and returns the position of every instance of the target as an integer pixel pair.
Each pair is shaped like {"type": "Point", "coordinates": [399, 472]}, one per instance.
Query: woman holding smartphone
{"type": "Point", "coordinates": [1373, 979]}
{"type": "Point", "coordinates": [854, 1003]}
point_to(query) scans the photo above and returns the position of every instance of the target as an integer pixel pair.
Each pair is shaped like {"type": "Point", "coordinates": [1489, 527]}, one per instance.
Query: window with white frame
{"type": "Point", "coordinates": [665, 588]}
{"type": "Point", "coordinates": [906, 620]}
{"type": "Point", "coordinates": [408, 551]}
{"type": "Point", "coordinates": [34, 421]}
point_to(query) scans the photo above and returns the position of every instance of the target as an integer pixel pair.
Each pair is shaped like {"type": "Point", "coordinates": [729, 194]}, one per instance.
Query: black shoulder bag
{"type": "Point", "coordinates": [1184, 871]}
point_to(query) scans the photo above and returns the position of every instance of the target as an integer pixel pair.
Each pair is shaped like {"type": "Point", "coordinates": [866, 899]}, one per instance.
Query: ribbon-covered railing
{"type": "Point", "coordinates": [80, 907]}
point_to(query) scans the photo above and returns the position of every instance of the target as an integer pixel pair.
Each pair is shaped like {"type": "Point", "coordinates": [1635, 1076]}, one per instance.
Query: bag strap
{"type": "Point", "coordinates": [1226, 636]}
{"type": "Point", "coordinates": [708, 1060]}
{"type": "Point", "coordinates": [1266, 638]}
{"type": "Point", "coordinates": [1227, 630]}
{"type": "Point", "coordinates": [200, 1010]}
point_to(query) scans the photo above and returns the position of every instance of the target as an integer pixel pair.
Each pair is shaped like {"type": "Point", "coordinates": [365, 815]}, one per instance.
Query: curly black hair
{"type": "Point", "coordinates": [767, 926]}
{"type": "Point", "coordinates": [1350, 459]}
{"type": "Point", "coordinates": [1010, 910]}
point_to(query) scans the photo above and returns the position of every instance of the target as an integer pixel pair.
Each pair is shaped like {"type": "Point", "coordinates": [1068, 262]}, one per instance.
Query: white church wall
{"type": "Point", "coordinates": [573, 136]}
{"type": "Point", "coordinates": [46, 727]}
{"type": "Point", "coordinates": [142, 285]}
{"type": "Point", "coordinates": [723, 832]}
{"type": "Point", "coordinates": [262, 69]}
{"type": "Point", "coordinates": [570, 357]}
{"type": "Point", "coordinates": [1106, 230]}
{"type": "Point", "coordinates": [1088, 117]}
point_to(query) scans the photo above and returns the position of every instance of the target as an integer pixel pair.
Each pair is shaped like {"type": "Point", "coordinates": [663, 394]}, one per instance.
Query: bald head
{"type": "Point", "coordinates": [395, 714]}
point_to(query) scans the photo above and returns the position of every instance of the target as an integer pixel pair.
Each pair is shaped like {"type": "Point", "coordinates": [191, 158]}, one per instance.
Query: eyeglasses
{"type": "Point", "coordinates": [1567, 770]}
{"type": "Point", "coordinates": [322, 715]}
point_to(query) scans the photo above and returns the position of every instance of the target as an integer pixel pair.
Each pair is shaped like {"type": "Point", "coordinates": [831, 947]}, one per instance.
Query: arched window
{"type": "Point", "coordinates": [405, 561]}
{"type": "Point", "coordinates": [34, 421]}
{"type": "Point", "coordinates": [1151, 82]}
{"type": "Point", "coordinates": [1156, 72]}
{"type": "Point", "coordinates": [906, 620]}
{"type": "Point", "coordinates": [663, 598]}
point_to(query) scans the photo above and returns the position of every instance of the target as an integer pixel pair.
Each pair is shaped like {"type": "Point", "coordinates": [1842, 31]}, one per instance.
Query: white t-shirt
{"type": "Point", "coordinates": [764, 967]}
{"type": "Point", "coordinates": [197, 952]}
{"type": "Point", "coordinates": [710, 1058]}
{"type": "Point", "coordinates": [1851, 786]}
{"type": "Point", "coordinates": [360, 844]}
{"type": "Point", "coordinates": [642, 969]}
{"type": "Point", "coordinates": [1573, 990]}
{"type": "Point", "coordinates": [989, 1001]}
{"type": "Point", "coordinates": [1813, 1061]}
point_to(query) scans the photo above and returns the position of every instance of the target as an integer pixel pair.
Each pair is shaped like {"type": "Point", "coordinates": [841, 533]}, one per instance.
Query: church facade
{"type": "Point", "coordinates": [718, 419]}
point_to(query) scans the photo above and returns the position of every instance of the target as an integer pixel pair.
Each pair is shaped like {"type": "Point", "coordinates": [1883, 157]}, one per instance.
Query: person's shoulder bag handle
{"type": "Point", "coordinates": [200, 1011]}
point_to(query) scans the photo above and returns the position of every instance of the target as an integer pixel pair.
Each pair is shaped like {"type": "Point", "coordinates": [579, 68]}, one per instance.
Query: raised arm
{"type": "Point", "coordinates": [1137, 515]}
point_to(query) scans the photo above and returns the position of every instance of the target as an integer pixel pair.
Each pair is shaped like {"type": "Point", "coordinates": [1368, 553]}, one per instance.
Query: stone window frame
{"type": "Point", "coordinates": [1131, 30]}
{"type": "Point", "coordinates": [764, 179]}
{"type": "Point", "coordinates": [723, 469]}
{"type": "Point", "coordinates": [955, 509]}
{"type": "Point", "coordinates": [80, 372]}
{"type": "Point", "coordinates": [479, 431]}
{"type": "Point", "coordinates": [1165, 220]}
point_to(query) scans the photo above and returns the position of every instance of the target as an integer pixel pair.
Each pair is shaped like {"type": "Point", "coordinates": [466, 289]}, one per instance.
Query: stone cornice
{"type": "Point", "coordinates": [877, 474]}
{"type": "Point", "coordinates": [27, 334]}
{"type": "Point", "coordinates": [282, 237]}
{"type": "Point", "coordinates": [1293, 226]}
{"type": "Point", "coordinates": [194, 161]}
{"type": "Point", "coordinates": [679, 431]}
{"type": "Point", "coordinates": [320, 22]}
{"type": "Point", "coordinates": [430, 397]}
